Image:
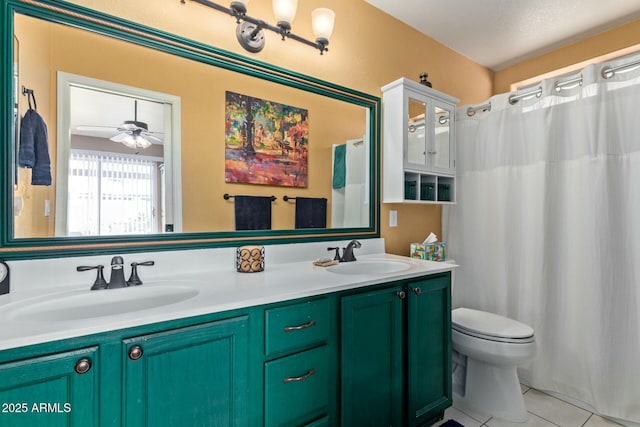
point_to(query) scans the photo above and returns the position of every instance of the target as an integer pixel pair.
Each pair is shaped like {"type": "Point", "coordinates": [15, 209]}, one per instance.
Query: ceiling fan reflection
{"type": "Point", "coordinates": [131, 133]}
{"type": "Point", "coordinates": [134, 134]}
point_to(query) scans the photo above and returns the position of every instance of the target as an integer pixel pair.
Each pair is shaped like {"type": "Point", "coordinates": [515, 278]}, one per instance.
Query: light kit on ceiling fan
{"type": "Point", "coordinates": [134, 134]}
{"type": "Point", "coordinates": [249, 30]}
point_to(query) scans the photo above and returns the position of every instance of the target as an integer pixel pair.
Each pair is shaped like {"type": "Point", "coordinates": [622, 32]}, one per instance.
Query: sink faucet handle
{"type": "Point", "coordinates": [337, 255]}
{"type": "Point", "coordinates": [134, 279]}
{"type": "Point", "coordinates": [100, 283]}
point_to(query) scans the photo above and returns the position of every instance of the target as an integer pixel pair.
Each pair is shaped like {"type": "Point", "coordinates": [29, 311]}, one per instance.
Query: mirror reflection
{"type": "Point", "coordinates": [442, 156]}
{"type": "Point", "coordinates": [417, 135]}
{"type": "Point", "coordinates": [137, 141]}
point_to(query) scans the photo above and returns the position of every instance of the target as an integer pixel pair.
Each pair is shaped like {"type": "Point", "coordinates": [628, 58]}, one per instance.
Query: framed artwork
{"type": "Point", "coordinates": [265, 142]}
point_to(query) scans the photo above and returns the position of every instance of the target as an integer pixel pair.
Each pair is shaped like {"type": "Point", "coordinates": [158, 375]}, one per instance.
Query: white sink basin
{"type": "Point", "coordinates": [370, 266]}
{"type": "Point", "coordinates": [88, 304]}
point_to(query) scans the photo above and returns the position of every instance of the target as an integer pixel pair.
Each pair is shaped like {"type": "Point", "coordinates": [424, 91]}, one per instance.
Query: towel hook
{"type": "Point", "coordinates": [30, 95]}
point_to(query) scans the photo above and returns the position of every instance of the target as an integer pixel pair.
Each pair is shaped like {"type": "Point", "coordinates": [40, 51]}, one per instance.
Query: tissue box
{"type": "Point", "coordinates": [431, 251]}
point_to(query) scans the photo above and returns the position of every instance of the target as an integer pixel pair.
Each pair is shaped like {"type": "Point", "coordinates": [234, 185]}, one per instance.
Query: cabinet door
{"type": "Point", "coordinates": [195, 376]}
{"type": "Point", "coordinates": [47, 391]}
{"type": "Point", "coordinates": [418, 132]}
{"type": "Point", "coordinates": [372, 359]}
{"type": "Point", "coordinates": [442, 151]}
{"type": "Point", "coordinates": [429, 348]}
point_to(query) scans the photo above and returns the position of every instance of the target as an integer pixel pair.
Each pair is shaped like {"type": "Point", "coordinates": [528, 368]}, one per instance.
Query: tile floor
{"type": "Point", "coordinates": [544, 411]}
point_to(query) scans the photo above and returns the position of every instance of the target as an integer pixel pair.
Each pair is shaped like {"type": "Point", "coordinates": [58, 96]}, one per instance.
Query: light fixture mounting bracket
{"type": "Point", "coordinates": [250, 36]}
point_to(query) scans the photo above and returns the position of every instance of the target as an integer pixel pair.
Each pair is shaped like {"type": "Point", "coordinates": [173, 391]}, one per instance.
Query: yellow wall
{"type": "Point", "coordinates": [622, 38]}
{"type": "Point", "coordinates": [368, 50]}
{"type": "Point", "coordinates": [34, 69]}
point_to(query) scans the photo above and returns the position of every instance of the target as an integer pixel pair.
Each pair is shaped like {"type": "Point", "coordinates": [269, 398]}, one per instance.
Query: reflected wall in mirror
{"type": "Point", "coordinates": [66, 65]}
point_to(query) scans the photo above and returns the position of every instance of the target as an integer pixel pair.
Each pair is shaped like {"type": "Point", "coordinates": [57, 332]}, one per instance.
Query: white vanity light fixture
{"type": "Point", "coordinates": [249, 31]}
{"type": "Point", "coordinates": [285, 12]}
{"type": "Point", "coordinates": [322, 20]}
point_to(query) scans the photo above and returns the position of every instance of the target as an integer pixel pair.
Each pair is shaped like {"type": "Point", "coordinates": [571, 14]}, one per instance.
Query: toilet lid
{"type": "Point", "coordinates": [488, 324]}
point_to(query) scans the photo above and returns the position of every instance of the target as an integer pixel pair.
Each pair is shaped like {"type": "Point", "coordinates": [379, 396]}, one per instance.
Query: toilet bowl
{"type": "Point", "coordinates": [487, 349]}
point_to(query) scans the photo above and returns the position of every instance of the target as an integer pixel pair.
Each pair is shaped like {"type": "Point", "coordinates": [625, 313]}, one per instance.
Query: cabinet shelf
{"type": "Point", "coordinates": [419, 144]}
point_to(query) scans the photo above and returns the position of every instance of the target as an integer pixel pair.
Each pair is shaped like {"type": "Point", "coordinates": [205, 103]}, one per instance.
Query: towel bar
{"type": "Point", "coordinates": [228, 196]}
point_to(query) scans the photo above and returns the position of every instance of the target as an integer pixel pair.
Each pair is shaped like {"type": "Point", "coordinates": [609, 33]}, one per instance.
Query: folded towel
{"type": "Point", "coordinates": [34, 148]}
{"type": "Point", "coordinates": [311, 212]}
{"type": "Point", "coordinates": [253, 212]}
{"type": "Point", "coordinates": [339, 166]}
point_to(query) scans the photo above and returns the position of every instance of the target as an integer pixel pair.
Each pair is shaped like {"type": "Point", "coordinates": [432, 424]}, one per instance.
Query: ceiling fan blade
{"type": "Point", "coordinates": [95, 128]}
{"type": "Point", "coordinates": [149, 136]}
{"type": "Point", "coordinates": [119, 137]}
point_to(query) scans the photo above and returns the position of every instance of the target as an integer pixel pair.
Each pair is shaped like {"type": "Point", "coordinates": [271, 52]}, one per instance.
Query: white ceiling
{"type": "Point", "coordinates": [500, 33]}
{"type": "Point", "coordinates": [98, 114]}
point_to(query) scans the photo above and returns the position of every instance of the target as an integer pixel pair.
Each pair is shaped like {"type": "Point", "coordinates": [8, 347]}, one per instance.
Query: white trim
{"type": "Point", "coordinates": [172, 143]}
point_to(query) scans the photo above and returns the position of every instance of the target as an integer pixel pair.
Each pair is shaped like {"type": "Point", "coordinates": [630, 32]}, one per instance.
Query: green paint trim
{"type": "Point", "coordinates": [80, 17]}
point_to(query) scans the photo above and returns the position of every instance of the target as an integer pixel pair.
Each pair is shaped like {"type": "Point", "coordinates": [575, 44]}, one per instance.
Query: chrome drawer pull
{"type": "Point", "coordinates": [300, 327]}
{"type": "Point", "coordinates": [301, 378]}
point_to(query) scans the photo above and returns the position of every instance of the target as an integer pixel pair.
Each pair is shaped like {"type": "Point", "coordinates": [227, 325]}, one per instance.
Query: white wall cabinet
{"type": "Point", "coordinates": [418, 144]}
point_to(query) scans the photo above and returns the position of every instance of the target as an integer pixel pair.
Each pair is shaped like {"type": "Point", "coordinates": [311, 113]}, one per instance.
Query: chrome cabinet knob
{"type": "Point", "coordinates": [83, 366]}
{"type": "Point", "coordinates": [135, 352]}
{"type": "Point", "coordinates": [417, 291]}
{"type": "Point", "coordinates": [401, 294]}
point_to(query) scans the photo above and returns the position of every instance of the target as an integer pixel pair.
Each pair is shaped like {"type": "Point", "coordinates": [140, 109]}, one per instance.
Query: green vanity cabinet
{"type": "Point", "coordinates": [396, 354]}
{"type": "Point", "coordinates": [193, 376]}
{"type": "Point", "coordinates": [54, 390]}
{"type": "Point", "coordinates": [374, 356]}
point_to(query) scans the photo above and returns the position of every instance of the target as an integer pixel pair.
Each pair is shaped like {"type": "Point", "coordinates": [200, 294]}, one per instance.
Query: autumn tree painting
{"type": "Point", "coordinates": [265, 142]}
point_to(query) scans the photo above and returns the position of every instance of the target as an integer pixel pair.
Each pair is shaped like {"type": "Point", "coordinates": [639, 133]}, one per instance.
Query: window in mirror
{"type": "Point", "coordinates": [106, 187]}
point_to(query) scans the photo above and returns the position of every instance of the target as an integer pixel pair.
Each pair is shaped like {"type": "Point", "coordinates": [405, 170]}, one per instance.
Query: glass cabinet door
{"type": "Point", "coordinates": [442, 149]}
{"type": "Point", "coordinates": [416, 150]}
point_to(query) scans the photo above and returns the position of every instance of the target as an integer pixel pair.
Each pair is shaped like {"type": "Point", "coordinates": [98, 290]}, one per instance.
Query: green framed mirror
{"type": "Point", "coordinates": [216, 124]}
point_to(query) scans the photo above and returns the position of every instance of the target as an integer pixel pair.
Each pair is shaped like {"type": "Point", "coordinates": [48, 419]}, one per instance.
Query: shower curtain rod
{"type": "Point", "coordinates": [471, 111]}
{"type": "Point", "coordinates": [607, 73]}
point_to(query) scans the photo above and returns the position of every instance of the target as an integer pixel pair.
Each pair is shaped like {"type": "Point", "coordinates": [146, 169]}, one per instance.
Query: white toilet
{"type": "Point", "coordinates": [487, 349]}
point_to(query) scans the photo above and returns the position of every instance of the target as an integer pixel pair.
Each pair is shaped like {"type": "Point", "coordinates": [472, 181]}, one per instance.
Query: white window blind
{"type": "Point", "coordinates": [111, 194]}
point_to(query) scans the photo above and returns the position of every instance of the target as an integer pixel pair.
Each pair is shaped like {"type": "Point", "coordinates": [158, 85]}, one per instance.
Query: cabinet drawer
{"type": "Point", "coordinates": [297, 388]}
{"type": "Point", "coordinates": [322, 422]}
{"type": "Point", "coordinates": [296, 327]}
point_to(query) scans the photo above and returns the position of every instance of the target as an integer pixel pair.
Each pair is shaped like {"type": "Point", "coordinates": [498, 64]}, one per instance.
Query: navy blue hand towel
{"type": "Point", "coordinates": [34, 148]}
{"type": "Point", "coordinates": [253, 212]}
{"type": "Point", "coordinates": [311, 212]}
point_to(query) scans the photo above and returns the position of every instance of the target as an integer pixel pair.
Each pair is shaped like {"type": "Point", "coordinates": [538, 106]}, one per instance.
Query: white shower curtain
{"type": "Point", "coordinates": [547, 231]}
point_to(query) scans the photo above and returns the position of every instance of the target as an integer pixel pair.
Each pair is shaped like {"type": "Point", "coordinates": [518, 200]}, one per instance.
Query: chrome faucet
{"type": "Point", "coordinates": [347, 253]}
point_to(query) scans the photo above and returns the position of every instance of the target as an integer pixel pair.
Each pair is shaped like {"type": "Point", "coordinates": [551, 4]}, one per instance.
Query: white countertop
{"type": "Point", "coordinates": [219, 288]}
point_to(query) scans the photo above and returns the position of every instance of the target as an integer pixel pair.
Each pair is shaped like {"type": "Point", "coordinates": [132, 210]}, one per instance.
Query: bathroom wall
{"type": "Point", "coordinates": [368, 49]}
{"type": "Point", "coordinates": [625, 38]}
{"type": "Point", "coordinates": [34, 66]}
